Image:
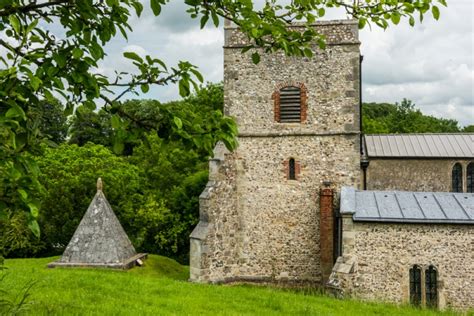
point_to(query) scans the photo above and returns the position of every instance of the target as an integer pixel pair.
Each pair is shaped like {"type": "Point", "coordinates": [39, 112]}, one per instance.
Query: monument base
{"type": "Point", "coordinates": [126, 264]}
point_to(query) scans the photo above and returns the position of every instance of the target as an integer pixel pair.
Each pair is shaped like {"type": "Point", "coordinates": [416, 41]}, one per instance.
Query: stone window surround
{"type": "Point", "coordinates": [424, 268]}
{"type": "Point", "coordinates": [304, 99]}
{"type": "Point", "coordinates": [464, 165]}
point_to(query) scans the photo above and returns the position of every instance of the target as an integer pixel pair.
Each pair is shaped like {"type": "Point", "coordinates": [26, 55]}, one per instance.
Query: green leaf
{"type": "Point", "coordinates": [31, 26]}
{"type": "Point", "coordinates": [197, 74]}
{"type": "Point", "coordinates": [362, 22]}
{"type": "Point", "coordinates": [183, 86]}
{"type": "Point", "coordinates": [35, 82]}
{"type": "Point", "coordinates": [145, 88]}
{"type": "Point", "coordinates": [435, 11]}
{"type": "Point", "coordinates": [321, 12]}
{"type": "Point", "coordinates": [215, 19]}
{"type": "Point", "coordinates": [118, 146]}
{"type": "Point", "coordinates": [133, 56]}
{"type": "Point", "coordinates": [256, 58]}
{"type": "Point", "coordinates": [411, 21]}
{"type": "Point", "coordinates": [443, 2]}
{"type": "Point", "coordinates": [69, 109]}
{"type": "Point", "coordinates": [115, 121]}
{"type": "Point", "coordinates": [34, 227]}
{"type": "Point", "coordinates": [34, 211]}
{"type": "Point", "coordinates": [23, 194]}
{"type": "Point", "coordinates": [156, 7]}
{"type": "Point", "coordinates": [15, 111]}
{"type": "Point", "coordinates": [77, 53]}
{"type": "Point", "coordinates": [395, 18]}
{"type": "Point", "coordinates": [177, 121]}
{"type": "Point", "coordinates": [204, 20]}
{"type": "Point", "coordinates": [15, 23]}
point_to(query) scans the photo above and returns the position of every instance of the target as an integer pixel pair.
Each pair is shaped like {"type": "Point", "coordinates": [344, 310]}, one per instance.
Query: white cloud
{"type": "Point", "coordinates": [431, 64]}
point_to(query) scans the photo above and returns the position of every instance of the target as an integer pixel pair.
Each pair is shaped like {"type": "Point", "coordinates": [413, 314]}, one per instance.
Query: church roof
{"type": "Point", "coordinates": [408, 207]}
{"type": "Point", "coordinates": [454, 145]}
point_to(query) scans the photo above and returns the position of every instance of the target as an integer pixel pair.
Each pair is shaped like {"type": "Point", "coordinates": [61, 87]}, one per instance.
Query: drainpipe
{"type": "Point", "coordinates": [360, 100]}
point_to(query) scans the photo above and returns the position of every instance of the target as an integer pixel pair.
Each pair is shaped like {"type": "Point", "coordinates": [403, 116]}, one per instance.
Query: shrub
{"type": "Point", "coordinates": [69, 175]}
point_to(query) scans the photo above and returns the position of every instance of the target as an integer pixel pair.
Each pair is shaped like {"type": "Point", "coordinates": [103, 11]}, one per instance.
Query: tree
{"type": "Point", "coordinates": [40, 64]}
{"type": "Point", "coordinates": [51, 120]}
{"type": "Point", "coordinates": [384, 118]}
{"type": "Point", "coordinates": [468, 129]}
{"type": "Point", "coordinates": [90, 126]}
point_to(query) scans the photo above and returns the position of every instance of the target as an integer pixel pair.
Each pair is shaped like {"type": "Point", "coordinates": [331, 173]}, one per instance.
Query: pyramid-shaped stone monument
{"type": "Point", "coordinates": [99, 240]}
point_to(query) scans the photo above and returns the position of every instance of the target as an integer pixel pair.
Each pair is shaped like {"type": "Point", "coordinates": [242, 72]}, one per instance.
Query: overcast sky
{"type": "Point", "coordinates": [431, 64]}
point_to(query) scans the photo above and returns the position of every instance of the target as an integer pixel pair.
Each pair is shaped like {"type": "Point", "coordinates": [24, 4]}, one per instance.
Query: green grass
{"type": "Point", "coordinates": [161, 288]}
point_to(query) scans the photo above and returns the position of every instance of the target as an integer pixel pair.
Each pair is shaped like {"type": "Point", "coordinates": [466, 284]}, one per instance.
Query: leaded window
{"type": "Point", "coordinates": [291, 169]}
{"type": "Point", "coordinates": [290, 105]}
{"type": "Point", "coordinates": [470, 177]}
{"type": "Point", "coordinates": [457, 178]}
{"type": "Point", "coordinates": [431, 286]}
{"type": "Point", "coordinates": [415, 285]}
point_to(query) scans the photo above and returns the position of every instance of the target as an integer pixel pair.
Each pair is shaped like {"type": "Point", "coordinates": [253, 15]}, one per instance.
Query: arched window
{"type": "Point", "coordinates": [415, 285]}
{"type": "Point", "coordinates": [431, 286]}
{"type": "Point", "coordinates": [470, 177]}
{"type": "Point", "coordinates": [291, 169]}
{"type": "Point", "coordinates": [290, 105]}
{"type": "Point", "coordinates": [457, 178]}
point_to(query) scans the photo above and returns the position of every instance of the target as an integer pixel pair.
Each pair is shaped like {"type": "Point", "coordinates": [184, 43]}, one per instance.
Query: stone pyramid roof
{"type": "Point", "coordinates": [99, 240]}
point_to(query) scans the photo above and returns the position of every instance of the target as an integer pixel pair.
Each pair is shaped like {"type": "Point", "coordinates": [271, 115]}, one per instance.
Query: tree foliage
{"type": "Point", "coordinates": [39, 64]}
{"type": "Point", "coordinates": [384, 118]}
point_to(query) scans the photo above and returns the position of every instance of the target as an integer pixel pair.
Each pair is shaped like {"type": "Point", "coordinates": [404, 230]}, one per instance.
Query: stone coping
{"type": "Point", "coordinates": [125, 265]}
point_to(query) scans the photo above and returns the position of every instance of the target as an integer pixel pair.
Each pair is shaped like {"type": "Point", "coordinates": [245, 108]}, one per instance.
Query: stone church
{"type": "Point", "coordinates": [290, 205]}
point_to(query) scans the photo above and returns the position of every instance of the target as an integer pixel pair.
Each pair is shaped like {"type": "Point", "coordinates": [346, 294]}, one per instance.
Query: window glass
{"type": "Point", "coordinates": [431, 286]}
{"type": "Point", "coordinates": [457, 178]}
{"type": "Point", "coordinates": [415, 285]}
{"type": "Point", "coordinates": [470, 177]}
{"type": "Point", "coordinates": [291, 170]}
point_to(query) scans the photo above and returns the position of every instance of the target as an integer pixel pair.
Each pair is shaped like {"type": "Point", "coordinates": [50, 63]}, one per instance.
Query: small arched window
{"type": "Point", "coordinates": [456, 185]}
{"type": "Point", "coordinates": [415, 285]}
{"type": "Point", "coordinates": [431, 286]}
{"type": "Point", "coordinates": [470, 177]}
{"type": "Point", "coordinates": [292, 169]}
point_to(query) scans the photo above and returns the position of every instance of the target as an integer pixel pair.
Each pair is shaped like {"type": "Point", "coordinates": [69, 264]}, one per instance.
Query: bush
{"type": "Point", "coordinates": [69, 175]}
{"type": "Point", "coordinates": [175, 177]}
{"type": "Point", "coordinates": [154, 193]}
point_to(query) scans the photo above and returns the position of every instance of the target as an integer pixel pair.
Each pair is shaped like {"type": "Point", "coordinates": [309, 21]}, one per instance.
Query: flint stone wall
{"type": "Point", "coordinates": [426, 175]}
{"type": "Point", "coordinates": [255, 224]}
{"type": "Point", "coordinates": [377, 258]}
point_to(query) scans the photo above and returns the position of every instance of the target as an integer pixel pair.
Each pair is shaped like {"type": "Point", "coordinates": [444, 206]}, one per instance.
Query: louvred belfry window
{"type": "Point", "coordinates": [290, 105]}
{"type": "Point", "coordinates": [415, 285]}
{"type": "Point", "coordinates": [457, 178]}
{"type": "Point", "coordinates": [431, 286]}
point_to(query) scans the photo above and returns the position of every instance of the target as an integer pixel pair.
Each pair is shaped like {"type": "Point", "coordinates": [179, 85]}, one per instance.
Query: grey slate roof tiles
{"type": "Point", "coordinates": [408, 207]}
{"type": "Point", "coordinates": [454, 145]}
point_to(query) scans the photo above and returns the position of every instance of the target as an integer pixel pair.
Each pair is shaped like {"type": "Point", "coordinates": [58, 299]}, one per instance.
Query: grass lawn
{"type": "Point", "coordinates": [161, 288]}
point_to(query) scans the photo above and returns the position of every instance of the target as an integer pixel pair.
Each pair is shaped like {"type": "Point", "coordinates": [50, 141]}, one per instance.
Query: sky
{"type": "Point", "coordinates": [430, 64]}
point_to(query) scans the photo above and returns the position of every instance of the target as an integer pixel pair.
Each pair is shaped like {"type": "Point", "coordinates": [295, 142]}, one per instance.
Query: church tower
{"type": "Point", "coordinates": [266, 214]}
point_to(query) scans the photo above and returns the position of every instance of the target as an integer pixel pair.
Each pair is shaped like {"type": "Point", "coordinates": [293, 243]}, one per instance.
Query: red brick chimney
{"type": "Point", "coordinates": [326, 231]}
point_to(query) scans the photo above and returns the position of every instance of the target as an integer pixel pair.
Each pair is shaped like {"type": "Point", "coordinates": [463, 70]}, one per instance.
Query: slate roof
{"type": "Point", "coordinates": [455, 145]}
{"type": "Point", "coordinates": [408, 207]}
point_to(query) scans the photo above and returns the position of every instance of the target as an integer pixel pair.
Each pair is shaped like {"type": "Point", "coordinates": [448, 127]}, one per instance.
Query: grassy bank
{"type": "Point", "coordinates": [161, 288]}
